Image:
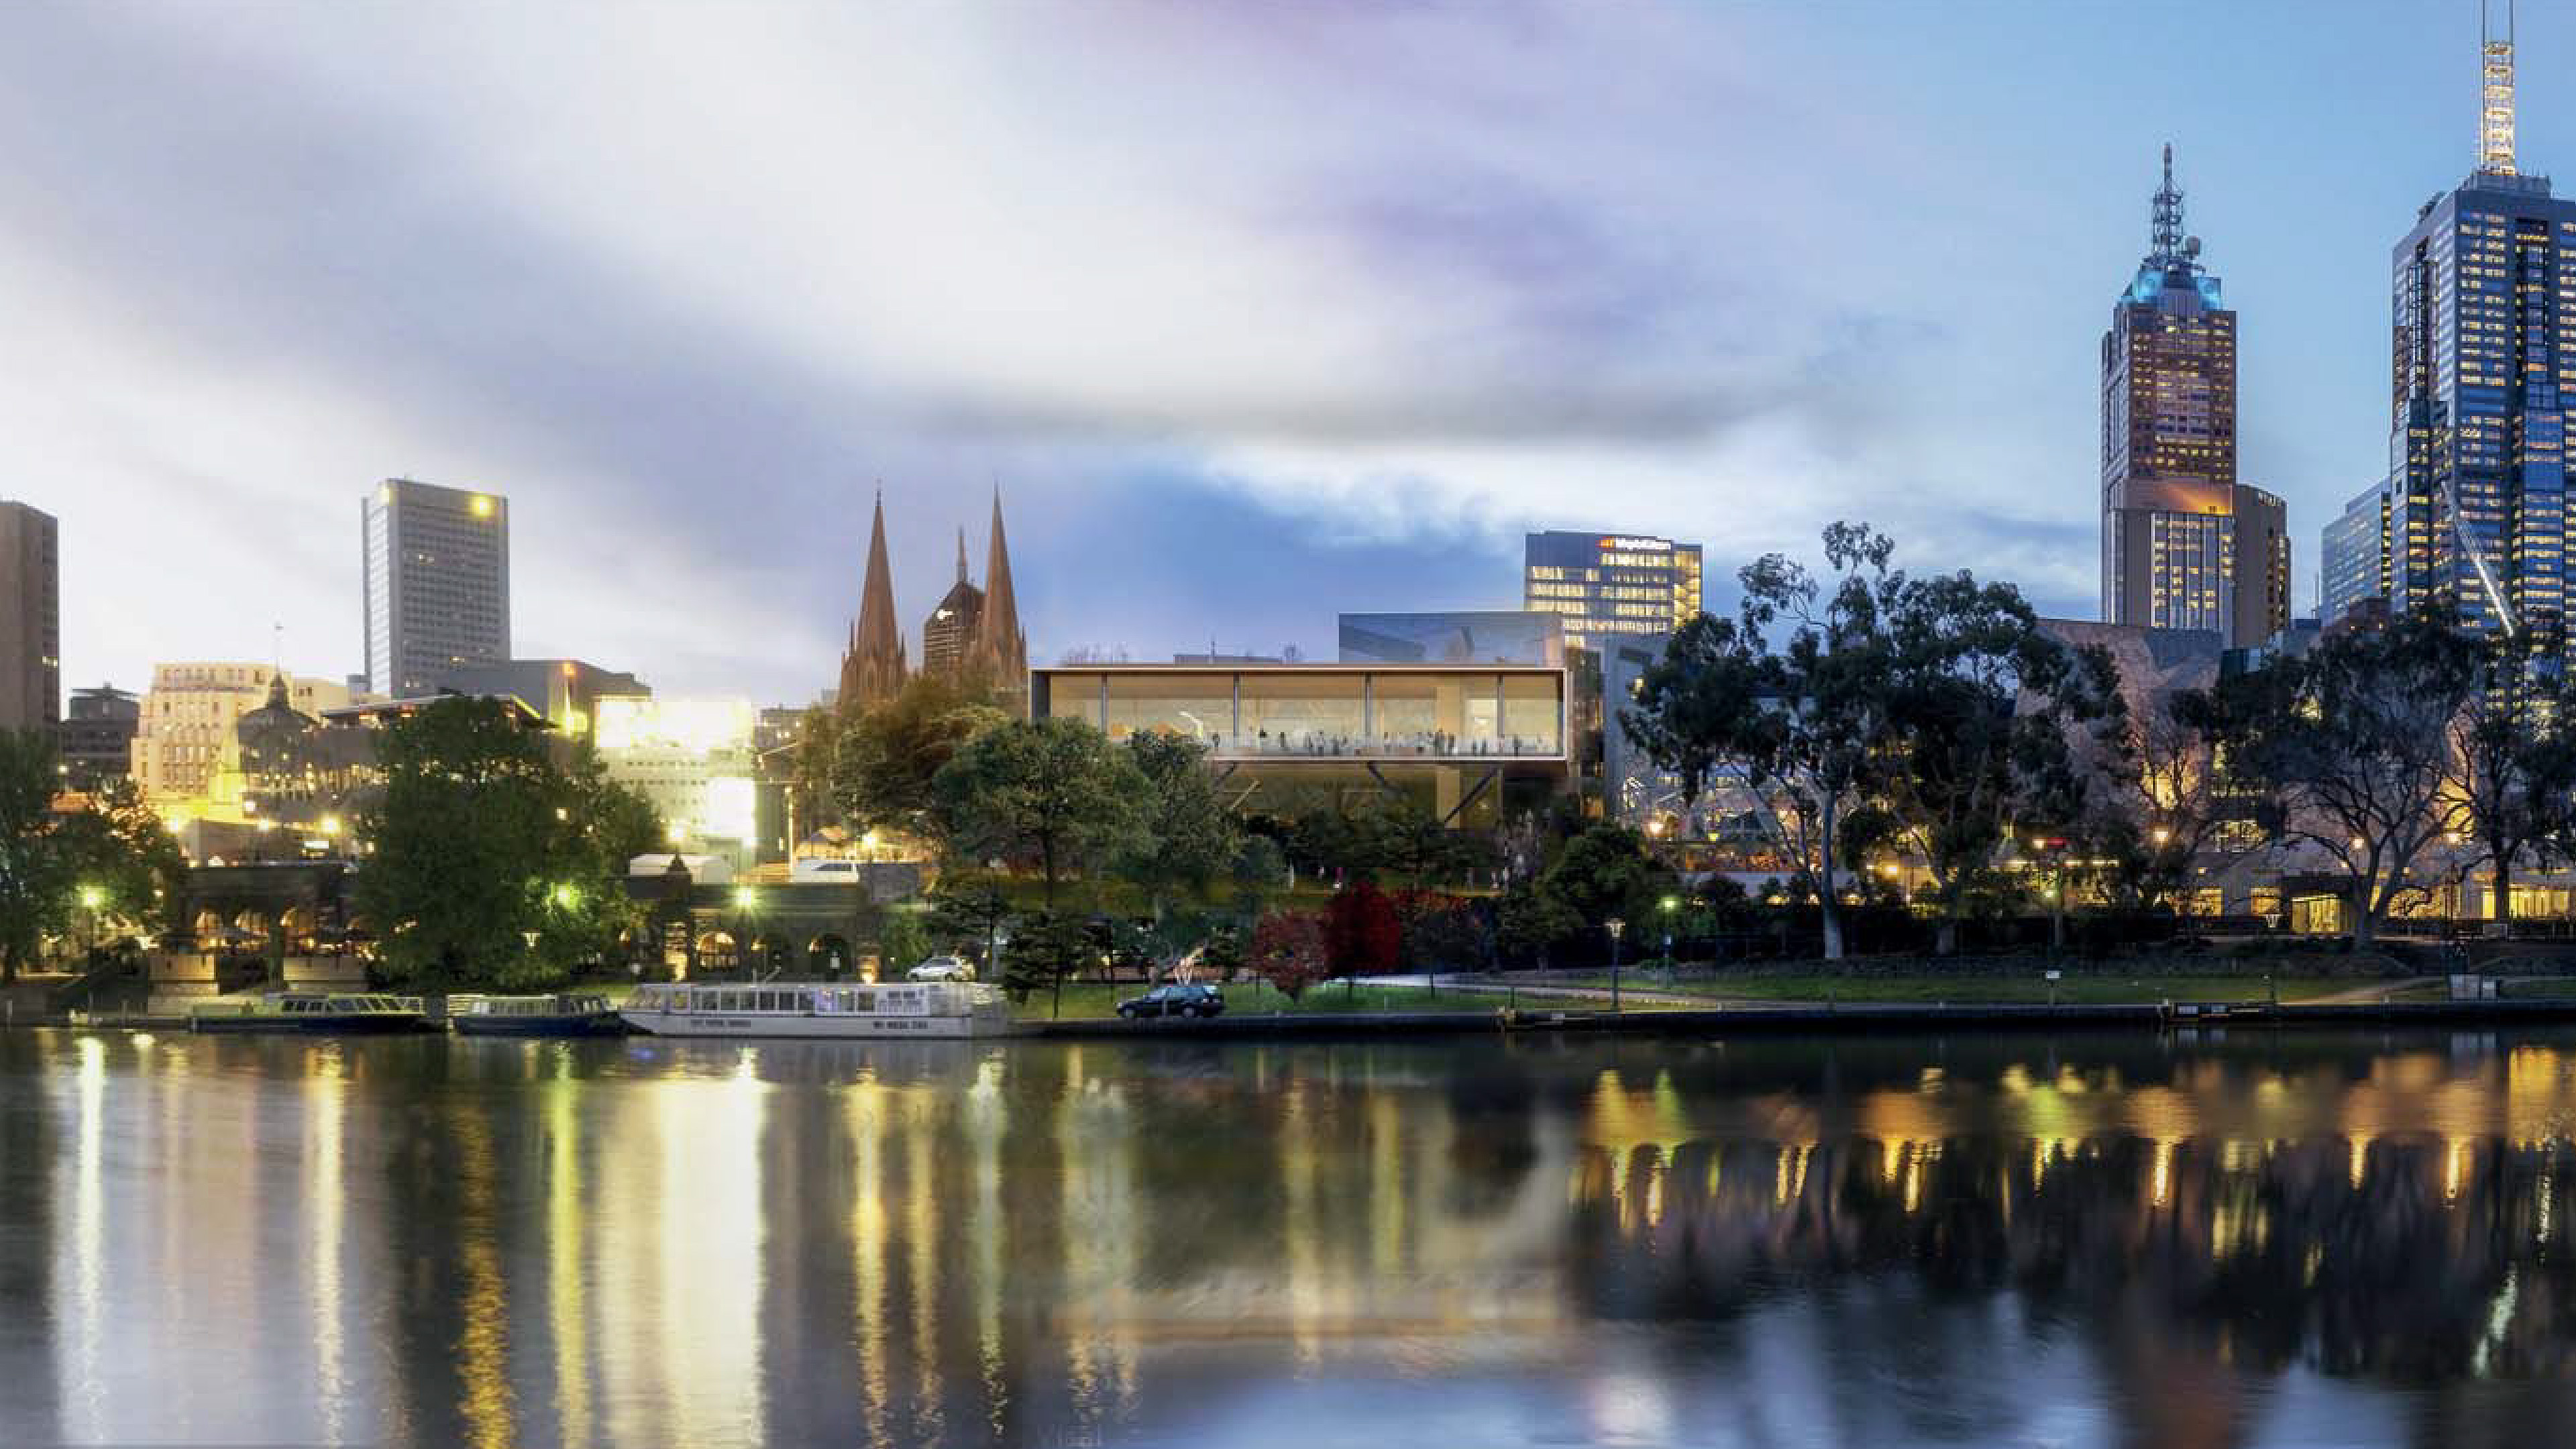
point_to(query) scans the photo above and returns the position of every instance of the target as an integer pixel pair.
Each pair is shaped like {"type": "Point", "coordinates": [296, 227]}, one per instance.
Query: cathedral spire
{"type": "Point", "coordinates": [1001, 652]}
{"type": "Point", "coordinates": [961, 553]}
{"type": "Point", "coordinates": [874, 668]}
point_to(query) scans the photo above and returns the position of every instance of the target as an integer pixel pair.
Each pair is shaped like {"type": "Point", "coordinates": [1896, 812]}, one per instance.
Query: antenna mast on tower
{"type": "Point", "coordinates": [2165, 248]}
{"type": "Point", "coordinates": [2495, 110]}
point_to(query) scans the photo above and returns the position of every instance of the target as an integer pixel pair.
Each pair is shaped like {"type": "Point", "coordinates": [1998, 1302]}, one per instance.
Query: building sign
{"type": "Point", "coordinates": [1647, 545]}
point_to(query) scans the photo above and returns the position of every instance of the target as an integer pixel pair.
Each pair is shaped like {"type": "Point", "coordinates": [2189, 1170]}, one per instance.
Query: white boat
{"type": "Point", "coordinates": [912, 1009]}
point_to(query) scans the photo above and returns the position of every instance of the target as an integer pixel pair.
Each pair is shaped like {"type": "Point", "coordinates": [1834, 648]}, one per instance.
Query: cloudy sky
{"type": "Point", "coordinates": [1255, 312]}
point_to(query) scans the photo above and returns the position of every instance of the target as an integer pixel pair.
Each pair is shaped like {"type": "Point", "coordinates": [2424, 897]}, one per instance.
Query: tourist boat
{"type": "Point", "coordinates": [313, 1011]}
{"type": "Point", "coordinates": [911, 1009]}
{"type": "Point", "coordinates": [562, 1013]}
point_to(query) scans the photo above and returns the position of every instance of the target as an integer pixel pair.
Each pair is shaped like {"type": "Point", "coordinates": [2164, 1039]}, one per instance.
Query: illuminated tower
{"type": "Point", "coordinates": [2482, 341]}
{"type": "Point", "coordinates": [873, 667]}
{"type": "Point", "coordinates": [2171, 555]}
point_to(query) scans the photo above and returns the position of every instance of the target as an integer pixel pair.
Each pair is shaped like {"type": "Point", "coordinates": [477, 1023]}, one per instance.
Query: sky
{"type": "Point", "coordinates": [1253, 312]}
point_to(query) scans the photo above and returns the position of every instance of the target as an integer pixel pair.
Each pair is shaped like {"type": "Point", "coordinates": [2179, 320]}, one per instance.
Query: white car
{"type": "Point", "coordinates": [942, 968]}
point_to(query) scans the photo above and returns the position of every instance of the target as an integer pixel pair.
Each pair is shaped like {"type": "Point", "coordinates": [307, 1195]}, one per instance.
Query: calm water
{"type": "Point", "coordinates": [2017, 1240]}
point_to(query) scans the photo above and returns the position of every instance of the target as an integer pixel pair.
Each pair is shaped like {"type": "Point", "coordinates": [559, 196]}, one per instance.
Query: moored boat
{"type": "Point", "coordinates": [911, 1009]}
{"type": "Point", "coordinates": [313, 1011]}
{"type": "Point", "coordinates": [561, 1013]}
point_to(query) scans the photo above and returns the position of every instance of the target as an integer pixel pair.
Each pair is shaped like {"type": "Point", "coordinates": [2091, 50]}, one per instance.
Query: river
{"type": "Point", "coordinates": [2263, 1239]}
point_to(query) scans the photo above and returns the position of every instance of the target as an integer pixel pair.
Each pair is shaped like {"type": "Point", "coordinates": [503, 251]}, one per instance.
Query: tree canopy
{"type": "Point", "coordinates": [1053, 793]}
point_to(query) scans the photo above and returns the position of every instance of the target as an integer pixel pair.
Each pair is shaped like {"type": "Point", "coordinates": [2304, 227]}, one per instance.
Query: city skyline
{"type": "Point", "coordinates": [1375, 372]}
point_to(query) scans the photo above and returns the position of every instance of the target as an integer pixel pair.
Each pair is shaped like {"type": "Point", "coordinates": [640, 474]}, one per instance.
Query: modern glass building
{"type": "Point", "coordinates": [437, 583]}
{"type": "Point", "coordinates": [1471, 636]}
{"type": "Point", "coordinates": [2354, 561]}
{"type": "Point", "coordinates": [1608, 585]}
{"type": "Point", "coordinates": [1457, 736]}
{"type": "Point", "coordinates": [2184, 544]}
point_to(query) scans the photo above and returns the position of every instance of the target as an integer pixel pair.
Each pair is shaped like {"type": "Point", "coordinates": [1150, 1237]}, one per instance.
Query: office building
{"type": "Point", "coordinates": [31, 645]}
{"type": "Point", "coordinates": [695, 760]}
{"type": "Point", "coordinates": [948, 636]}
{"type": "Point", "coordinates": [187, 759]}
{"type": "Point", "coordinates": [1611, 585]}
{"type": "Point", "coordinates": [2483, 347]}
{"type": "Point", "coordinates": [2353, 561]}
{"type": "Point", "coordinates": [564, 692]}
{"type": "Point", "coordinates": [1474, 636]}
{"type": "Point", "coordinates": [1468, 742]}
{"type": "Point", "coordinates": [437, 583]}
{"type": "Point", "coordinates": [98, 734]}
{"type": "Point", "coordinates": [2185, 545]}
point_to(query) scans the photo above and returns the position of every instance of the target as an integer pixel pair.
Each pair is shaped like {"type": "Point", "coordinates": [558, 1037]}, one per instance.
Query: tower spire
{"type": "Point", "coordinates": [874, 668]}
{"type": "Point", "coordinates": [1001, 653]}
{"type": "Point", "coordinates": [2495, 109]}
{"type": "Point", "coordinates": [961, 553]}
{"type": "Point", "coordinates": [2164, 229]}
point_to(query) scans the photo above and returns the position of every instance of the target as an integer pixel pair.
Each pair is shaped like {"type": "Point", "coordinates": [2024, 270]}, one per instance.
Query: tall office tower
{"type": "Point", "coordinates": [2482, 341]}
{"type": "Point", "coordinates": [2170, 558]}
{"type": "Point", "coordinates": [873, 667]}
{"type": "Point", "coordinates": [949, 633]}
{"type": "Point", "coordinates": [2353, 559]}
{"type": "Point", "coordinates": [438, 583]}
{"type": "Point", "coordinates": [2262, 565]}
{"type": "Point", "coordinates": [1607, 585]}
{"type": "Point", "coordinates": [31, 646]}
{"type": "Point", "coordinates": [1001, 651]}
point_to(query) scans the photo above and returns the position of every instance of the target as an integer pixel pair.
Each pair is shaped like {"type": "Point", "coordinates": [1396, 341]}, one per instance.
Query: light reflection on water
{"type": "Point", "coordinates": [2003, 1240]}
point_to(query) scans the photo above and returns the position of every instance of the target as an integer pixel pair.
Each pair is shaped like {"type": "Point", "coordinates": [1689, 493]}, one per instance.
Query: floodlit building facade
{"type": "Point", "coordinates": [694, 760]}
{"type": "Point", "coordinates": [187, 752]}
{"type": "Point", "coordinates": [1462, 739]}
{"type": "Point", "coordinates": [437, 567]}
{"type": "Point", "coordinates": [1611, 585]}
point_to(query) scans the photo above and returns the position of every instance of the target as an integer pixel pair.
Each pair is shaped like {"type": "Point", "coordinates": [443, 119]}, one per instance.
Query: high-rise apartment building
{"type": "Point", "coordinates": [31, 647]}
{"type": "Point", "coordinates": [2483, 350]}
{"type": "Point", "coordinates": [437, 583]}
{"type": "Point", "coordinates": [1609, 585]}
{"type": "Point", "coordinates": [2184, 544]}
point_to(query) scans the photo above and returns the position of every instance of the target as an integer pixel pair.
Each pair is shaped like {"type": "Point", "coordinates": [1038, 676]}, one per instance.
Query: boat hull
{"type": "Point", "coordinates": [354, 1025]}
{"type": "Point", "coordinates": [588, 1023]}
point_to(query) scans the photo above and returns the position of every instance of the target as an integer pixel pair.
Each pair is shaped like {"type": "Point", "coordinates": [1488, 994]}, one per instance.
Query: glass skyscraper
{"type": "Point", "coordinates": [1606, 585]}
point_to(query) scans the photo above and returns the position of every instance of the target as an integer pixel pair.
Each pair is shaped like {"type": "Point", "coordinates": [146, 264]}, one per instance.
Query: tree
{"type": "Point", "coordinates": [1186, 833]}
{"type": "Point", "coordinates": [810, 769]}
{"type": "Point", "coordinates": [35, 886]}
{"type": "Point", "coordinates": [1606, 873]}
{"type": "Point", "coordinates": [1802, 720]}
{"type": "Point", "coordinates": [490, 865]}
{"type": "Point", "coordinates": [116, 848]}
{"type": "Point", "coordinates": [1981, 707]}
{"type": "Point", "coordinates": [1362, 936]}
{"type": "Point", "coordinates": [1442, 930]}
{"type": "Point", "coordinates": [2351, 747]}
{"type": "Point", "coordinates": [2513, 763]}
{"type": "Point", "coordinates": [1288, 951]}
{"type": "Point", "coordinates": [902, 940]}
{"type": "Point", "coordinates": [1046, 949]}
{"type": "Point", "coordinates": [1532, 921]}
{"type": "Point", "coordinates": [885, 760]}
{"type": "Point", "coordinates": [1053, 792]}
{"type": "Point", "coordinates": [969, 912]}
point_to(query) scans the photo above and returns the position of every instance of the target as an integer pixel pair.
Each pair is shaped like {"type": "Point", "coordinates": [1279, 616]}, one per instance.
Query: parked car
{"type": "Point", "coordinates": [1174, 1001]}
{"type": "Point", "coordinates": [943, 968]}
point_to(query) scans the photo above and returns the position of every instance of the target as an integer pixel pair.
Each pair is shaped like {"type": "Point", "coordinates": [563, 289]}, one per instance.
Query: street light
{"type": "Point", "coordinates": [91, 898]}
{"type": "Point", "coordinates": [1616, 926]}
{"type": "Point", "coordinates": [1670, 904]}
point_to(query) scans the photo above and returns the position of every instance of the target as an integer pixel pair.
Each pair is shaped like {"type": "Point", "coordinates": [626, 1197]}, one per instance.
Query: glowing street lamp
{"type": "Point", "coordinates": [92, 897]}
{"type": "Point", "coordinates": [1617, 928]}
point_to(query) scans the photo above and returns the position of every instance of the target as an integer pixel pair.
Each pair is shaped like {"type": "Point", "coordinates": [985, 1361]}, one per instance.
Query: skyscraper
{"type": "Point", "coordinates": [2482, 342]}
{"type": "Point", "coordinates": [950, 631]}
{"type": "Point", "coordinates": [1610, 584]}
{"type": "Point", "coordinates": [873, 667]}
{"type": "Point", "coordinates": [31, 665]}
{"type": "Point", "coordinates": [437, 583]}
{"type": "Point", "coordinates": [2184, 545]}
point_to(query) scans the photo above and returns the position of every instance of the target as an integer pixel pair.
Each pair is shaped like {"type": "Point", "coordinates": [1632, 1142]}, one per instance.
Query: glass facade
{"type": "Point", "coordinates": [1324, 713]}
{"type": "Point", "coordinates": [437, 593]}
{"type": "Point", "coordinates": [1611, 585]}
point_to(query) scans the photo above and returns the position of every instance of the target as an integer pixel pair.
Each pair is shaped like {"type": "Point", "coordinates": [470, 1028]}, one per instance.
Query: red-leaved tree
{"type": "Point", "coordinates": [1288, 951]}
{"type": "Point", "coordinates": [1362, 934]}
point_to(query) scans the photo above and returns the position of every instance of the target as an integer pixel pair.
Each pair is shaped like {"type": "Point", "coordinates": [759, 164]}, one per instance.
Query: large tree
{"type": "Point", "coordinates": [885, 759]}
{"type": "Point", "coordinates": [1790, 696]}
{"type": "Point", "coordinates": [489, 864]}
{"type": "Point", "coordinates": [1187, 836]}
{"type": "Point", "coordinates": [54, 864]}
{"type": "Point", "coordinates": [2513, 767]}
{"type": "Point", "coordinates": [1052, 793]}
{"type": "Point", "coordinates": [2351, 748]}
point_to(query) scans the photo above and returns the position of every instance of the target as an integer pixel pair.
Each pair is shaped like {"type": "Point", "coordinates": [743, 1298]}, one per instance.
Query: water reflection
{"type": "Point", "coordinates": [1884, 1241]}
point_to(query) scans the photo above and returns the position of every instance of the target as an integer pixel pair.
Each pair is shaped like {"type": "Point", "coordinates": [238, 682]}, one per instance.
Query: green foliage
{"type": "Point", "coordinates": [1605, 873]}
{"type": "Point", "coordinates": [1532, 921]}
{"type": "Point", "coordinates": [883, 761]}
{"type": "Point", "coordinates": [1053, 793]}
{"type": "Point", "coordinates": [1046, 948]}
{"type": "Point", "coordinates": [903, 940]}
{"type": "Point", "coordinates": [969, 912]}
{"type": "Point", "coordinates": [113, 848]}
{"type": "Point", "coordinates": [1288, 951]}
{"type": "Point", "coordinates": [1186, 835]}
{"type": "Point", "coordinates": [490, 865]}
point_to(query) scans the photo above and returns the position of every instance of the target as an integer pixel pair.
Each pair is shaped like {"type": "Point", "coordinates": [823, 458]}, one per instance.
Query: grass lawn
{"type": "Point", "coordinates": [2108, 988]}
{"type": "Point", "coordinates": [1091, 999]}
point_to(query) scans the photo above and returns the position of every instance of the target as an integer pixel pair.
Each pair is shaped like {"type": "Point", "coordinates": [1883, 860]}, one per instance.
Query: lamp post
{"type": "Point", "coordinates": [1670, 905]}
{"type": "Point", "coordinates": [745, 902]}
{"type": "Point", "coordinates": [1616, 927]}
{"type": "Point", "coordinates": [91, 898]}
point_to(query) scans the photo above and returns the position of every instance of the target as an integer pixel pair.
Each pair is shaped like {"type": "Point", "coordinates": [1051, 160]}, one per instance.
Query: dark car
{"type": "Point", "coordinates": [1174, 1001]}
